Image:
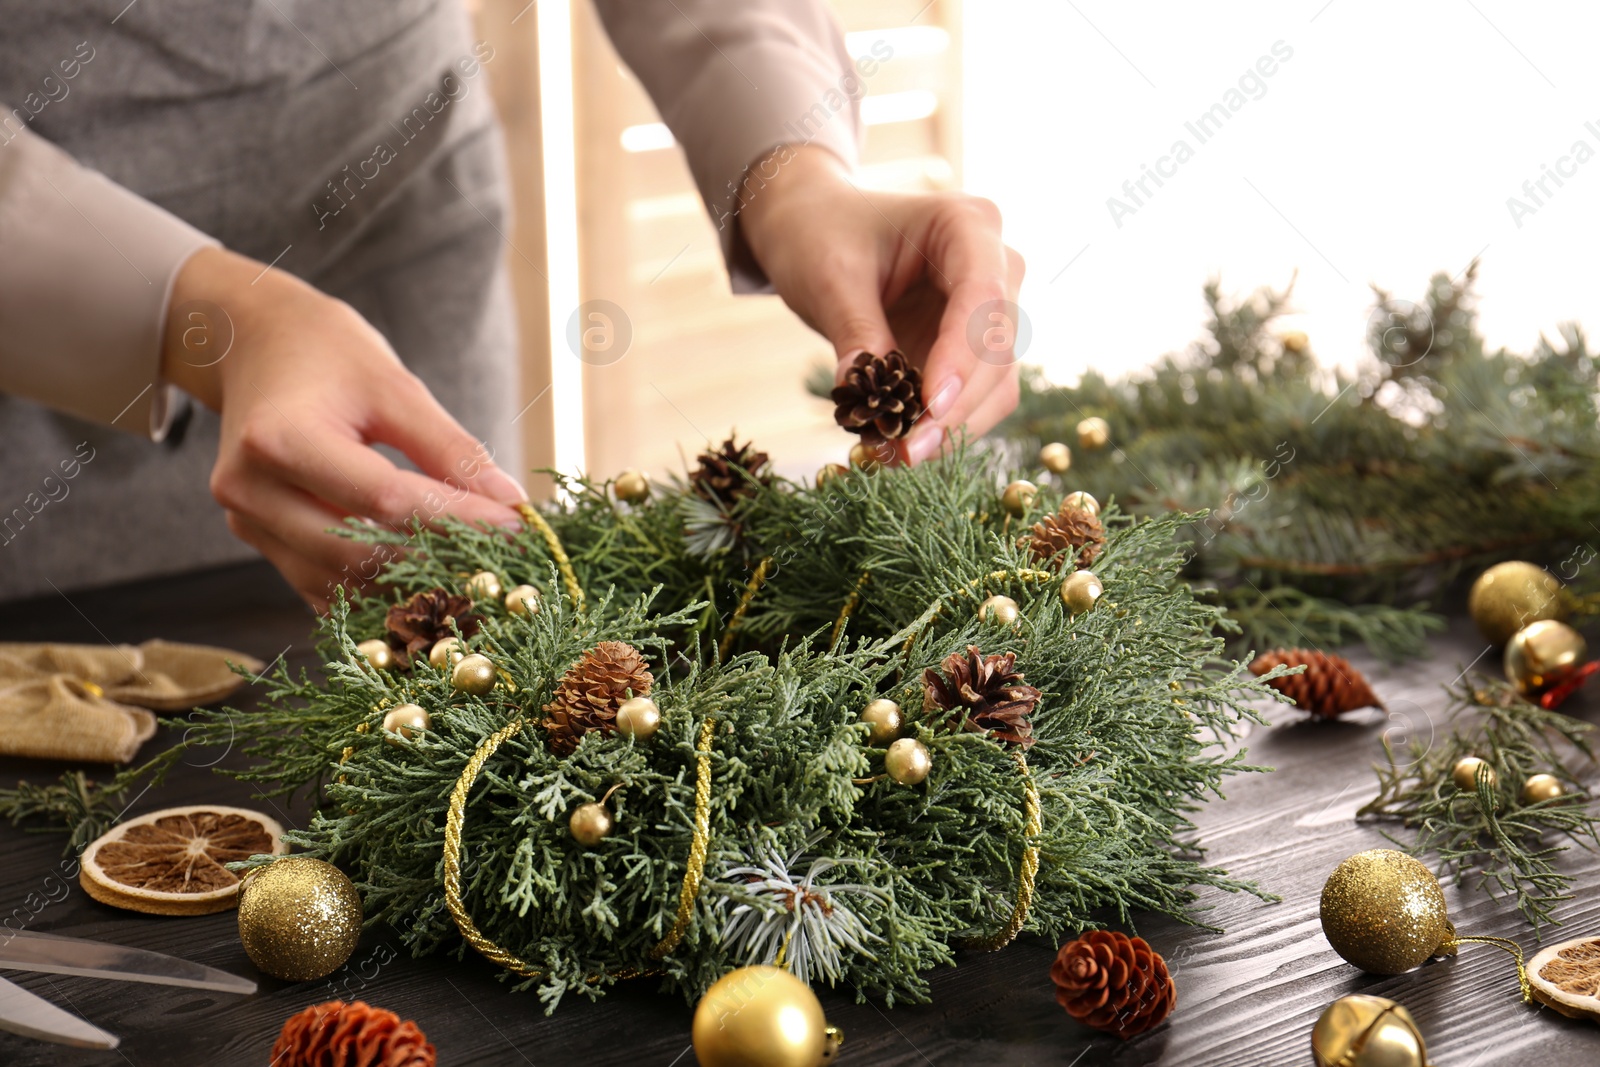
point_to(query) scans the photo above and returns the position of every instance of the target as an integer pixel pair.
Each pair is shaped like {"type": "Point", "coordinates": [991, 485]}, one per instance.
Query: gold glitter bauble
{"type": "Point", "coordinates": [829, 471]}
{"type": "Point", "coordinates": [869, 457]}
{"type": "Point", "coordinates": [908, 761]}
{"type": "Point", "coordinates": [1093, 433]}
{"type": "Point", "coordinates": [761, 1017]}
{"type": "Point", "coordinates": [523, 600]}
{"type": "Point", "coordinates": [1541, 787]}
{"type": "Point", "coordinates": [1366, 1031]}
{"type": "Point", "coordinates": [299, 918]}
{"type": "Point", "coordinates": [1508, 596]}
{"type": "Point", "coordinates": [1465, 773]}
{"type": "Point", "coordinates": [406, 719]}
{"type": "Point", "coordinates": [1001, 610]}
{"type": "Point", "coordinates": [378, 654]}
{"type": "Point", "coordinates": [485, 585]}
{"type": "Point", "coordinates": [590, 824]}
{"type": "Point", "coordinates": [474, 674]}
{"type": "Point", "coordinates": [1018, 497]}
{"type": "Point", "coordinates": [1383, 911]}
{"type": "Point", "coordinates": [631, 487]}
{"type": "Point", "coordinates": [1056, 457]}
{"type": "Point", "coordinates": [1080, 590]}
{"type": "Point", "coordinates": [883, 720]}
{"type": "Point", "coordinates": [638, 718]}
{"type": "Point", "coordinates": [446, 650]}
{"type": "Point", "coordinates": [1081, 501]}
{"type": "Point", "coordinates": [1542, 655]}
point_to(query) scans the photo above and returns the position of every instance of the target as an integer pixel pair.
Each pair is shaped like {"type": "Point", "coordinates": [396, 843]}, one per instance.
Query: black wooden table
{"type": "Point", "coordinates": [1245, 997]}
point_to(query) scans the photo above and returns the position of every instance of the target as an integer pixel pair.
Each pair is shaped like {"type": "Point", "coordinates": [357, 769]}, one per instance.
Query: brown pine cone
{"type": "Point", "coordinates": [879, 394]}
{"type": "Point", "coordinates": [1328, 688]}
{"type": "Point", "coordinates": [1113, 982]}
{"type": "Point", "coordinates": [415, 625]}
{"type": "Point", "coordinates": [1052, 538]}
{"type": "Point", "coordinates": [731, 472]}
{"type": "Point", "coordinates": [588, 696]}
{"type": "Point", "coordinates": [984, 693]}
{"type": "Point", "coordinates": [337, 1034]}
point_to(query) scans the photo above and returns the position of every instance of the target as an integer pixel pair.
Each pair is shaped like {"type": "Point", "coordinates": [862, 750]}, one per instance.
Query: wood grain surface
{"type": "Point", "coordinates": [1245, 997]}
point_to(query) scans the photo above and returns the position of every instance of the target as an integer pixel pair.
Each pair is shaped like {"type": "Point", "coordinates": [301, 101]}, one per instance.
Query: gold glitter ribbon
{"type": "Point", "coordinates": [455, 818]}
{"type": "Point", "coordinates": [757, 580]}
{"type": "Point", "coordinates": [1504, 944]}
{"type": "Point", "coordinates": [531, 516]}
{"type": "Point", "coordinates": [849, 606]}
{"type": "Point", "coordinates": [1030, 867]}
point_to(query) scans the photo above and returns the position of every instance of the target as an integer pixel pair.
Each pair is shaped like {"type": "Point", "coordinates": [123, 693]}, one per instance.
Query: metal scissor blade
{"type": "Point", "coordinates": [23, 1013]}
{"type": "Point", "coordinates": [23, 950]}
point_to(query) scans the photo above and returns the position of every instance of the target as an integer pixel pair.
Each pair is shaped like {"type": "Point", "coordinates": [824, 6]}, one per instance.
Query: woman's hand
{"type": "Point", "coordinates": [926, 273]}
{"type": "Point", "coordinates": [305, 388]}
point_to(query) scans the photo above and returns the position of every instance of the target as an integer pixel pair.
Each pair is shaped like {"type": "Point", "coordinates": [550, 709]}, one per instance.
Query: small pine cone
{"type": "Point", "coordinates": [589, 694]}
{"type": "Point", "coordinates": [1329, 687]}
{"type": "Point", "coordinates": [337, 1034]}
{"type": "Point", "coordinates": [414, 626]}
{"type": "Point", "coordinates": [1054, 538]}
{"type": "Point", "coordinates": [730, 472]}
{"type": "Point", "coordinates": [879, 394]}
{"type": "Point", "coordinates": [984, 692]}
{"type": "Point", "coordinates": [1113, 982]}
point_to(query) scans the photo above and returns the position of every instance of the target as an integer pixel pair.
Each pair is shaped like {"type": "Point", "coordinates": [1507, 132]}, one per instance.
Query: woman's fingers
{"type": "Point", "coordinates": [410, 419]}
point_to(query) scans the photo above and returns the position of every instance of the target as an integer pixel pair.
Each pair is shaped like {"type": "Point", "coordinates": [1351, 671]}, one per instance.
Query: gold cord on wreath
{"type": "Point", "coordinates": [531, 516]}
{"type": "Point", "coordinates": [849, 606]}
{"type": "Point", "coordinates": [757, 580]}
{"type": "Point", "coordinates": [1030, 867]}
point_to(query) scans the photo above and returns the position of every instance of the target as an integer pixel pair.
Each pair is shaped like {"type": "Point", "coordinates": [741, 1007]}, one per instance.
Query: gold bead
{"type": "Point", "coordinates": [883, 720]}
{"type": "Point", "coordinates": [1056, 457]}
{"type": "Point", "coordinates": [908, 761]}
{"type": "Point", "coordinates": [1541, 787]}
{"type": "Point", "coordinates": [474, 674]}
{"type": "Point", "coordinates": [1094, 433]}
{"type": "Point", "coordinates": [1081, 501]}
{"type": "Point", "coordinates": [485, 585]}
{"type": "Point", "coordinates": [761, 1015]}
{"type": "Point", "coordinates": [1080, 590]}
{"type": "Point", "coordinates": [523, 600]}
{"type": "Point", "coordinates": [1542, 655]}
{"type": "Point", "coordinates": [638, 718]}
{"type": "Point", "coordinates": [1018, 497]}
{"type": "Point", "coordinates": [870, 457]}
{"type": "Point", "coordinates": [1001, 610]}
{"type": "Point", "coordinates": [1508, 596]}
{"type": "Point", "coordinates": [1294, 341]}
{"type": "Point", "coordinates": [1465, 774]}
{"type": "Point", "coordinates": [631, 487]}
{"type": "Point", "coordinates": [590, 824]}
{"type": "Point", "coordinates": [378, 653]}
{"type": "Point", "coordinates": [1384, 912]}
{"type": "Point", "coordinates": [405, 720]}
{"type": "Point", "coordinates": [446, 650]}
{"type": "Point", "coordinates": [1367, 1031]}
{"type": "Point", "coordinates": [829, 471]}
{"type": "Point", "coordinates": [299, 918]}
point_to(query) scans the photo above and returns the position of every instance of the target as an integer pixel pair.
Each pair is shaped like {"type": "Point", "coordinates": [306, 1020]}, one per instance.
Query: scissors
{"type": "Point", "coordinates": [21, 1012]}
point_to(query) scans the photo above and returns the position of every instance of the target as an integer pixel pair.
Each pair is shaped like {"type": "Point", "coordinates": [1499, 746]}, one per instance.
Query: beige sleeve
{"type": "Point", "coordinates": [86, 269]}
{"type": "Point", "coordinates": [734, 79]}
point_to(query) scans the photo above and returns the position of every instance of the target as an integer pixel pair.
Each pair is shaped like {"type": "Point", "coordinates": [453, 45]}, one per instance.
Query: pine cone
{"type": "Point", "coordinates": [1069, 528]}
{"type": "Point", "coordinates": [415, 625]}
{"type": "Point", "coordinates": [731, 472]}
{"type": "Point", "coordinates": [985, 693]}
{"type": "Point", "coordinates": [1328, 688]}
{"type": "Point", "coordinates": [881, 394]}
{"type": "Point", "coordinates": [589, 694]}
{"type": "Point", "coordinates": [337, 1034]}
{"type": "Point", "coordinates": [1113, 982]}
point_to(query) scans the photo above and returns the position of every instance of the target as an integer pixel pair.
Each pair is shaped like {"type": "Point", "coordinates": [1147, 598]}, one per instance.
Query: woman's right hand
{"type": "Point", "coordinates": [305, 390]}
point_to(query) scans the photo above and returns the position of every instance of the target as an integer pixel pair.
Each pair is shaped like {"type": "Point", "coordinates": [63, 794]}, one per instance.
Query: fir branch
{"type": "Point", "coordinates": [80, 808]}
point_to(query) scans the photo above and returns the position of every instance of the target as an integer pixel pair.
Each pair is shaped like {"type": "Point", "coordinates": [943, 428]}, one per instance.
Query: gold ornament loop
{"type": "Point", "coordinates": [757, 580]}
{"type": "Point", "coordinates": [531, 516]}
{"type": "Point", "coordinates": [1505, 944]}
{"type": "Point", "coordinates": [1030, 867]}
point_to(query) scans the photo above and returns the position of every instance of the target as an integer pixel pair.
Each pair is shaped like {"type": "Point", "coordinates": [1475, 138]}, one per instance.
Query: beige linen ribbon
{"type": "Point", "coordinates": [77, 702]}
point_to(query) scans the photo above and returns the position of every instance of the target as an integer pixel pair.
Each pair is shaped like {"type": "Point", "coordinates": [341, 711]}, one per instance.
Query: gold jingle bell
{"type": "Point", "coordinates": [446, 650]}
{"type": "Point", "coordinates": [406, 720]}
{"type": "Point", "coordinates": [1465, 774]}
{"type": "Point", "coordinates": [1000, 610]}
{"type": "Point", "coordinates": [485, 585]}
{"type": "Point", "coordinates": [1056, 457]}
{"type": "Point", "coordinates": [1018, 497]}
{"type": "Point", "coordinates": [829, 471]}
{"type": "Point", "coordinates": [883, 720]}
{"type": "Point", "coordinates": [1367, 1031]}
{"type": "Point", "coordinates": [638, 718]}
{"type": "Point", "coordinates": [1081, 501]}
{"type": "Point", "coordinates": [378, 654]}
{"type": "Point", "coordinates": [871, 456]}
{"type": "Point", "coordinates": [1080, 590]}
{"type": "Point", "coordinates": [523, 600]}
{"type": "Point", "coordinates": [1542, 655]}
{"type": "Point", "coordinates": [1094, 433]}
{"type": "Point", "coordinates": [1384, 912]}
{"type": "Point", "coordinates": [631, 487]}
{"type": "Point", "coordinates": [1540, 788]}
{"type": "Point", "coordinates": [908, 761]}
{"type": "Point", "coordinates": [590, 824]}
{"type": "Point", "coordinates": [1510, 595]}
{"type": "Point", "coordinates": [762, 1017]}
{"type": "Point", "coordinates": [474, 674]}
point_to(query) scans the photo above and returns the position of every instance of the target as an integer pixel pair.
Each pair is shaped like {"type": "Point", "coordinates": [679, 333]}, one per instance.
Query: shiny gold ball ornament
{"type": "Point", "coordinates": [1383, 911]}
{"type": "Point", "coordinates": [1542, 655]}
{"type": "Point", "coordinates": [1081, 501]}
{"type": "Point", "coordinates": [1508, 596]}
{"type": "Point", "coordinates": [883, 720]}
{"type": "Point", "coordinates": [1000, 610]}
{"type": "Point", "coordinates": [829, 471]}
{"type": "Point", "coordinates": [1018, 497]}
{"type": "Point", "coordinates": [1465, 774]}
{"type": "Point", "coordinates": [406, 720]}
{"type": "Point", "coordinates": [485, 585]}
{"type": "Point", "coordinates": [299, 918]}
{"type": "Point", "coordinates": [638, 718]}
{"type": "Point", "coordinates": [1540, 788]}
{"type": "Point", "coordinates": [870, 456]}
{"type": "Point", "coordinates": [1094, 433]}
{"type": "Point", "coordinates": [1056, 457]}
{"type": "Point", "coordinates": [1366, 1031]}
{"type": "Point", "coordinates": [474, 674]}
{"type": "Point", "coordinates": [1080, 590]}
{"type": "Point", "coordinates": [631, 487]}
{"type": "Point", "coordinates": [762, 1017]}
{"type": "Point", "coordinates": [445, 651]}
{"type": "Point", "coordinates": [590, 824]}
{"type": "Point", "coordinates": [523, 600]}
{"type": "Point", "coordinates": [1294, 341]}
{"type": "Point", "coordinates": [908, 761]}
{"type": "Point", "coordinates": [379, 656]}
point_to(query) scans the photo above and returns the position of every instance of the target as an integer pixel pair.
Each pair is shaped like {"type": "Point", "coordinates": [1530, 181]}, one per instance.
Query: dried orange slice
{"type": "Point", "coordinates": [172, 862]}
{"type": "Point", "coordinates": [1567, 977]}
